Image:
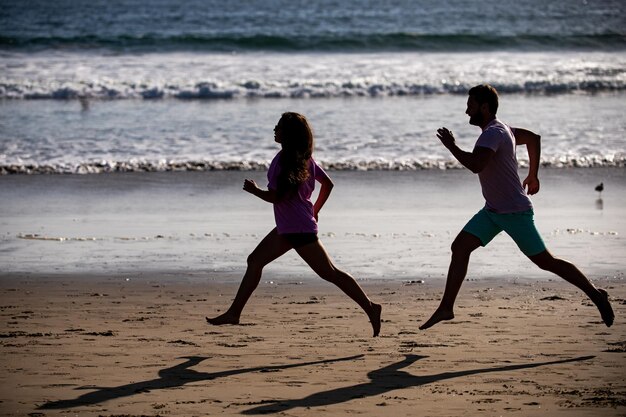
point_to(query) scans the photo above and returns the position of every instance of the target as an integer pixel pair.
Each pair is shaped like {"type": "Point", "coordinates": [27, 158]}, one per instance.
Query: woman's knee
{"type": "Point", "coordinates": [330, 274]}
{"type": "Point", "coordinates": [255, 262]}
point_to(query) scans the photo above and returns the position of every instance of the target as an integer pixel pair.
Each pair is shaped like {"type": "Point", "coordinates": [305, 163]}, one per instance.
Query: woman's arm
{"type": "Point", "coordinates": [265, 195]}
{"type": "Point", "coordinates": [533, 146]}
{"type": "Point", "coordinates": [325, 189]}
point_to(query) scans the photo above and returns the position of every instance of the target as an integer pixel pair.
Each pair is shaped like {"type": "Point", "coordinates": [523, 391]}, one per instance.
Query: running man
{"type": "Point", "coordinates": [507, 205]}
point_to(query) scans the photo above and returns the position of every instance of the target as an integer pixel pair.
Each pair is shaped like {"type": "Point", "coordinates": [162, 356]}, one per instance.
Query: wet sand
{"type": "Point", "coordinates": [377, 224]}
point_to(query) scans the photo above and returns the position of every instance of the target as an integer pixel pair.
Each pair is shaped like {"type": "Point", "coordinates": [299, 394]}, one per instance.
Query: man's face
{"type": "Point", "coordinates": [474, 112]}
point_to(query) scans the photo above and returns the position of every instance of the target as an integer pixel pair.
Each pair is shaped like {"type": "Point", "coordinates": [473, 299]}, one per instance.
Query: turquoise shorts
{"type": "Point", "coordinates": [485, 225]}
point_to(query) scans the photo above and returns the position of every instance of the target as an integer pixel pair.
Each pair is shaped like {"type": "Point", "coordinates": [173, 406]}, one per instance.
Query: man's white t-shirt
{"type": "Point", "coordinates": [499, 180]}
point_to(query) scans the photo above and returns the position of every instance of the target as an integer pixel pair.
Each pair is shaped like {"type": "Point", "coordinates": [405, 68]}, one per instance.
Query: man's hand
{"type": "Point", "coordinates": [250, 186]}
{"type": "Point", "coordinates": [446, 137]}
{"type": "Point", "coordinates": [531, 184]}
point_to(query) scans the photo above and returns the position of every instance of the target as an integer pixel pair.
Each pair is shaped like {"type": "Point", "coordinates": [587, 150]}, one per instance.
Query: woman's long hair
{"type": "Point", "coordinates": [297, 147]}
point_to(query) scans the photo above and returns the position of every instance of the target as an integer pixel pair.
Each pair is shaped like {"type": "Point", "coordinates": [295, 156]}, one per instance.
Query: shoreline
{"type": "Point", "coordinates": [201, 277]}
{"type": "Point", "coordinates": [389, 225]}
{"type": "Point", "coordinates": [393, 225]}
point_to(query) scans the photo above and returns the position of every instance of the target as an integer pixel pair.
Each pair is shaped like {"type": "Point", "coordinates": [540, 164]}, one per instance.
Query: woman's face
{"type": "Point", "coordinates": [277, 132]}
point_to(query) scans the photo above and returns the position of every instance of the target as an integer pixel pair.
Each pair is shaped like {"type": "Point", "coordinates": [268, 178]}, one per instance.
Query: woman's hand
{"type": "Point", "coordinates": [250, 186]}
{"type": "Point", "coordinates": [265, 195]}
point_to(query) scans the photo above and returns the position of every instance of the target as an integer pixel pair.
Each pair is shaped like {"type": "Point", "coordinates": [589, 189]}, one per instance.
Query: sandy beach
{"type": "Point", "coordinates": [139, 346]}
{"type": "Point", "coordinates": [107, 280]}
{"type": "Point", "coordinates": [127, 130]}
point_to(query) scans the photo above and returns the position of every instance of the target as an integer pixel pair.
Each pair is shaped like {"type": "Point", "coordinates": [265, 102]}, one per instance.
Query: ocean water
{"type": "Point", "coordinates": [103, 86]}
{"type": "Point", "coordinates": [161, 85]}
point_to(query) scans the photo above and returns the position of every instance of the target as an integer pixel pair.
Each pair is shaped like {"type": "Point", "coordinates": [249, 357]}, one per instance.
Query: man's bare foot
{"type": "Point", "coordinates": [606, 311]}
{"type": "Point", "coordinates": [375, 317]}
{"type": "Point", "coordinates": [438, 315]}
{"type": "Point", "coordinates": [223, 319]}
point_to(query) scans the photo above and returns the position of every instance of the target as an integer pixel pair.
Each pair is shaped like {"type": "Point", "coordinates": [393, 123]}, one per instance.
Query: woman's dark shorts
{"type": "Point", "coordinates": [297, 240]}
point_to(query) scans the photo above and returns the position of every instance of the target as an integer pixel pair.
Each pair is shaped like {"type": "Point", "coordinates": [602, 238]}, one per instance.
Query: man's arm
{"type": "Point", "coordinates": [475, 161]}
{"type": "Point", "coordinates": [533, 146]}
{"type": "Point", "coordinates": [265, 195]}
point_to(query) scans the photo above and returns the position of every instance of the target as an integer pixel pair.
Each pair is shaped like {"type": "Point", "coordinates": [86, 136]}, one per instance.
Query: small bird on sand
{"type": "Point", "coordinates": [600, 188]}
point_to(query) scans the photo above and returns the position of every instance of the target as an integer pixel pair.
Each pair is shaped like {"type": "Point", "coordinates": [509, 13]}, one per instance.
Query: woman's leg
{"type": "Point", "coordinates": [271, 247]}
{"type": "Point", "coordinates": [316, 257]}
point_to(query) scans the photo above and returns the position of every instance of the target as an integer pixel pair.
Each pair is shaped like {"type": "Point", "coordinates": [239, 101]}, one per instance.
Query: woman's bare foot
{"type": "Point", "coordinates": [606, 311]}
{"type": "Point", "coordinates": [438, 315]}
{"type": "Point", "coordinates": [375, 317]}
{"type": "Point", "coordinates": [225, 318]}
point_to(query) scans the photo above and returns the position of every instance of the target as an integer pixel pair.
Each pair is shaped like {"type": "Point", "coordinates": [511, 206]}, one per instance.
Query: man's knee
{"type": "Point", "coordinates": [544, 260]}
{"type": "Point", "coordinates": [464, 244]}
{"type": "Point", "coordinates": [457, 247]}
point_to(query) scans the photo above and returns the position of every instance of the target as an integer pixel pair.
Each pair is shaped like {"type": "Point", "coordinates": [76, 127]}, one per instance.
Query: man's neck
{"type": "Point", "coordinates": [487, 122]}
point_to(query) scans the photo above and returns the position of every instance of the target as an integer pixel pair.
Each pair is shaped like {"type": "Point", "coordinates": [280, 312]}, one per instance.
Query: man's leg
{"type": "Point", "coordinates": [462, 247]}
{"type": "Point", "coordinates": [571, 274]}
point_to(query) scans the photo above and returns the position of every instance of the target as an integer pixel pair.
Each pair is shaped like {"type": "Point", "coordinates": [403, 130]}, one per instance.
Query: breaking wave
{"type": "Point", "coordinates": [260, 90]}
{"type": "Point", "coordinates": [102, 167]}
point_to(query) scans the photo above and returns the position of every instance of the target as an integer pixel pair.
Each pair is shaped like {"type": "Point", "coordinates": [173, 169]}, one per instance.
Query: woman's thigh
{"type": "Point", "coordinates": [272, 246]}
{"type": "Point", "coordinates": [315, 255]}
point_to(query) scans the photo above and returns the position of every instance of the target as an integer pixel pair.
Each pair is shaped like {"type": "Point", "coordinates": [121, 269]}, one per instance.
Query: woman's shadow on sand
{"type": "Point", "coordinates": [176, 376]}
{"type": "Point", "coordinates": [382, 380]}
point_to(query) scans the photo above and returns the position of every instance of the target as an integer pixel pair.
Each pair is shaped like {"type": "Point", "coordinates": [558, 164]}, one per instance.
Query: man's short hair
{"type": "Point", "coordinates": [484, 93]}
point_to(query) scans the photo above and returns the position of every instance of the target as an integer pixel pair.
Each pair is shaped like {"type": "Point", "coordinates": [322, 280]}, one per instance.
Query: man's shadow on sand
{"type": "Point", "coordinates": [381, 380]}
{"type": "Point", "coordinates": [387, 379]}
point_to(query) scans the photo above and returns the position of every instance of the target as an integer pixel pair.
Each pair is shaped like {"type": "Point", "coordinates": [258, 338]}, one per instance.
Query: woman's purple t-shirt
{"type": "Point", "coordinates": [294, 214]}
